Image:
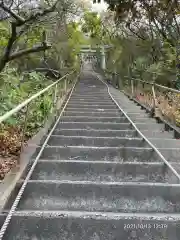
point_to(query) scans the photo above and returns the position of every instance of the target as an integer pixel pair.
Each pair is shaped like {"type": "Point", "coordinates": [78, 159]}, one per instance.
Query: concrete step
{"type": "Point", "coordinates": [94, 125]}
{"type": "Point", "coordinates": [144, 120]}
{"type": "Point", "coordinates": [91, 106]}
{"type": "Point", "coordinates": [96, 133]}
{"type": "Point", "coordinates": [63, 225]}
{"type": "Point", "coordinates": [89, 91]}
{"type": "Point", "coordinates": [94, 114]}
{"type": "Point", "coordinates": [103, 197]}
{"type": "Point", "coordinates": [59, 140]}
{"type": "Point", "coordinates": [94, 119]}
{"type": "Point", "coordinates": [94, 101]}
{"type": "Point", "coordinates": [91, 99]}
{"type": "Point", "coordinates": [151, 126]}
{"type": "Point", "coordinates": [138, 115]}
{"type": "Point", "coordinates": [157, 134]}
{"type": "Point", "coordinates": [132, 110]}
{"type": "Point", "coordinates": [91, 95]}
{"type": "Point", "coordinates": [98, 110]}
{"type": "Point", "coordinates": [166, 143]}
{"type": "Point", "coordinates": [100, 154]}
{"type": "Point", "coordinates": [171, 154]}
{"type": "Point", "coordinates": [101, 171]}
{"type": "Point", "coordinates": [91, 102]}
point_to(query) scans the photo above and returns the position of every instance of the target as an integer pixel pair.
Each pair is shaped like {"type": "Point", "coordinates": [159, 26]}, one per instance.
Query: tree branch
{"type": "Point", "coordinates": [12, 13]}
{"type": "Point", "coordinates": [21, 22]}
{"type": "Point", "coordinates": [5, 58]}
{"type": "Point", "coordinates": [28, 51]}
{"type": "Point", "coordinates": [45, 70]}
{"type": "Point", "coordinates": [49, 72]}
{"type": "Point", "coordinates": [40, 14]}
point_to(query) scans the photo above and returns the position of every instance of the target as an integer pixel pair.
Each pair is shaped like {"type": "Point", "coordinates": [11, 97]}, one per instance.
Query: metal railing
{"type": "Point", "coordinates": [153, 89]}
{"type": "Point", "coordinates": [60, 89]}
{"type": "Point", "coordinates": [133, 85]}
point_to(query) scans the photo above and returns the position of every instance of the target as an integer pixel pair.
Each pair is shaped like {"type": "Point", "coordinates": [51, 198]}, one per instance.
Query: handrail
{"type": "Point", "coordinates": [155, 84]}
{"type": "Point", "coordinates": [149, 83]}
{"type": "Point", "coordinates": [27, 101]}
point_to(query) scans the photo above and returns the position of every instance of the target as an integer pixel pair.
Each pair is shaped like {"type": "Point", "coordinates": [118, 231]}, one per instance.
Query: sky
{"type": "Point", "coordinates": [99, 7]}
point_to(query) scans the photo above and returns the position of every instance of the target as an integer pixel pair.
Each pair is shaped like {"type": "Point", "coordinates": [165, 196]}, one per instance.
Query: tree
{"type": "Point", "coordinates": [24, 20]}
{"type": "Point", "coordinates": [152, 28]}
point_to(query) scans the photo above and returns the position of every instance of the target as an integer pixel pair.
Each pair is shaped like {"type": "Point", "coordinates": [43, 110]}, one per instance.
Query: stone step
{"type": "Point", "coordinates": [89, 91]}
{"type": "Point", "coordinates": [132, 109]}
{"type": "Point", "coordinates": [94, 125]}
{"type": "Point", "coordinates": [100, 154]}
{"type": "Point", "coordinates": [91, 95]}
{"type": "Point", "coordinates": [98, 110]}
{"type": "Point", "coordinates": [138, 115]}
{"type": "Point", "coordinates": [69, 225]}
{"type": "Point", "coordinates": [101, 171]}
{"type": "Point", "coordinates": [59, 140]}
{"type": "Point", "coordinates": [166, 143]}
{"type": "Point", "coordinates": [90, 103]}
{"type": "Point", "coordinates": [101, 197]}
{"type": "Point", "coordinates": [91, 106]}
{"type": "Point", "coordinates": [171, 154]}
{"type": "Point", "coordinates": [151, 126]}
{"type": "Point", "coordinates": [90, 98]}
{"type": "Point", "coordinates": [95, 133]}
{"type": "Point", "coordinates": [157, 134]}
{"type": "Point", "coordinates": [94, 119]}
{"type": "Point", "coordinates": [82, 100]}
{"type": "Point", "coordinates": [94, 114]}
{"type": "Point", "coordinates": [144, 120]}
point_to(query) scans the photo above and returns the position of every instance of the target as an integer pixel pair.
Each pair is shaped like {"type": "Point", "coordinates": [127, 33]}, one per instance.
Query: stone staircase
{"type": "Point", "coordinates": [97, 179]}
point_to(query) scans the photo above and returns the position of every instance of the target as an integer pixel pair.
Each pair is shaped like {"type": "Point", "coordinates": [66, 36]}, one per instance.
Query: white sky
{"type": "Point", "coordinates": [99, 7]}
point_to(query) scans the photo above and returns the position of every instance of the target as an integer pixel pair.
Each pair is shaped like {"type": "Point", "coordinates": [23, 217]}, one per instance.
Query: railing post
{"type": "Point", "coordinates": [59, 98]}
{"type": "Point", "coordinates": [114, 79]}
{"type": "Point", "coordinates": [65, 85]}
{"type": "Point", "coordinates": [55, 101]}
{"type": "Point", "coordinates": [55, 96]}
{"type": "Point", "coordinates": [24, 131]}
{"type": "Point", "coordinates": [154, 107]}
{"type": "Point", "coordinates": [132, 89]}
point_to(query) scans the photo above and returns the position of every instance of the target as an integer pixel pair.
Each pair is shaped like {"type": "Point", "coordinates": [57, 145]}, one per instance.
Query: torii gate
{"type": "Point", "coordinates": [93, 49]}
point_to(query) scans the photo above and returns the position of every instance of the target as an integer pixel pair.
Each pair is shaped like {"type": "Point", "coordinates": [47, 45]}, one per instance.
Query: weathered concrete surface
{"type": "Point", "coordinates": [87, 196]}
{"type": "Point", "coordinates": [96, 133]}
{"type": "Point", "coordinates": [94, 119]}
{"type": "Point", "coordinates": [101, 171]}
{"type": "Point", "coordinates": [103, 153]}
{"type": "Point", "coordinates": [92, 107]}
{"type": "Point", "coordinates": [94, 114]}
{"type": "Point", "coordinates": [96, 141]}
{"type": "Point", "coordinates": [97, 110]}
{"type": "Point", "coordinates": [59, 226]}
{"type": "Point", "coordinates": [94, 125]}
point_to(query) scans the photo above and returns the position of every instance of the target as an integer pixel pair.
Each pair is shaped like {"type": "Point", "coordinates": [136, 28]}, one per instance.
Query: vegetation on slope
{"type": "Point", "coordinates": [45, 42]}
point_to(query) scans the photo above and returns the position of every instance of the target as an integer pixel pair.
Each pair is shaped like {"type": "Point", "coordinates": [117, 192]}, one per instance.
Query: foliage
{"type": "Point", "coordinates": [92, 25]}
{"type": "Point", "coordinates": [76, 39]}
{"type": "Point", "coordinates": [14, 90]}
{"type": "Point", "coordinates": [149, 33]}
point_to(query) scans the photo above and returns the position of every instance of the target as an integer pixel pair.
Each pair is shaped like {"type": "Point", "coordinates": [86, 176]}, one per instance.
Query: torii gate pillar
{"type": "Point", "coordinates": [103, 58]}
